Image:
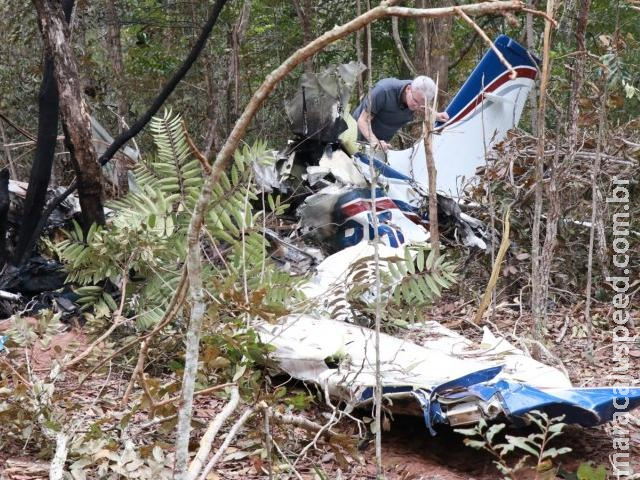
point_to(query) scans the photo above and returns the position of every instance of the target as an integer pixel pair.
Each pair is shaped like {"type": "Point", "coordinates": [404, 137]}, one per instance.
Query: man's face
{"type": "Point", "coordinates": [414, 99]}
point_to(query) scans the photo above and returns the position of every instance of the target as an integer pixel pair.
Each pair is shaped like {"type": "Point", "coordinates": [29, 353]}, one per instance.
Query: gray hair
{"type": "Point", "coordinates": [425, 85]}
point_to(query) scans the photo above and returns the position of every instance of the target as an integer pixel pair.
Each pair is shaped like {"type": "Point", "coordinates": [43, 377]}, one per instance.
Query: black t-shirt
{"type": "Point", "coordinates": [388, 110]}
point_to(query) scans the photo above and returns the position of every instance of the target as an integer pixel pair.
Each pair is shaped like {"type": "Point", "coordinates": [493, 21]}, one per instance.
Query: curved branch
{"type": "Point", "coordinates": [403, 53]}
{"type": "Point", "coordinates": [484, 36]}
{"type": "Point", "coordinates": [464, 50]}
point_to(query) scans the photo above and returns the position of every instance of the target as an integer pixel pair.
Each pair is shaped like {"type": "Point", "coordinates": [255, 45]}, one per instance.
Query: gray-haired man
{"type": "Point", "coordinates": [393, 103]}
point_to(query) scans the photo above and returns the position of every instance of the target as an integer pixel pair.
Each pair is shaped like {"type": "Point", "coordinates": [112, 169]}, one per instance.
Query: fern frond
{"type": "Point", "coordinates": [177, 172]}
{"type": "Point", "coordinates": [231, 209]}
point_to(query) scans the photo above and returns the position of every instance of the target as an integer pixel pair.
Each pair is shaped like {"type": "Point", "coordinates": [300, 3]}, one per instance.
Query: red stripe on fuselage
{"type": "Point", "coordinates": [360, 205]}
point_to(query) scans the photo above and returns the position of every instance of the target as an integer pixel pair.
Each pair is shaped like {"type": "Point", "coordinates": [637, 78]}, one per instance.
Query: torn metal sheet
{"type": "Point", "coordinates": [334, 277]}
{"type": "Point", "coordinates": [318, 109]}
{"type": "Point", "coordinates": [296, 259]}
{"type": "Point", "coordinates": [446, 380]}
{"type": "Point", "coordinates": [338, 164]}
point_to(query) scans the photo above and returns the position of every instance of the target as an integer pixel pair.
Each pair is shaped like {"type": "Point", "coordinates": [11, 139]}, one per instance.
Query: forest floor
{"type": "Point", "coordinates": [408, 450]}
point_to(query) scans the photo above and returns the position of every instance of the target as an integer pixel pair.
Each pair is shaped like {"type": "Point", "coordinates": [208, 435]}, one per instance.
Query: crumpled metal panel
{"type": "Point", "coordinates": [446, 380]}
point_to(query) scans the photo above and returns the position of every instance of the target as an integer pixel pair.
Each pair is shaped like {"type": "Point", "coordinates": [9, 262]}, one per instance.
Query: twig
{"type": "Point", "coordinates": [284, 457]}
{"type": "Point", "coordinates": [268, 439]}
{"type": "Point", "coordinates": [595, 197]}
{"type": "Point", "coordinates": [146, 390]}
{"type": "Point", "coordinates": [544, 15]}
{"type": "Point", "coordinates": [18, 128]}
{"type": "Point", "coordinates": [9, 295]}
{"type": "Point", "coordinates": [144, 346]}
{"type": "Point", "coordinates": [204, 391]}
{"type": "Point", "coordinates": [495, 271]}
{"type": "Point", "coordinates": [434, 234]}
{"type": "Point", "coordinates": [305, 423]}
{"type": "Point", "coordinates": [378, 297]}
{"type": "Point", "coordinates": [538, 305]}
{"type": "Point", "coordinates": [403, 53]}
{"type": "Point", "coordinates": [563, 332]}
{"type": "Point", "coordinates": [15, 372]}
{"type": "Point", "coordinates": [204, 163]}
{"type": "Point", "coordinates": [157, 421]}
{"type": "Point", "coordinates": [210, 435]}
{"type": "Point", "coordinates": [227, 441]}
{"type": "Point", "coordinates": [484, 36]}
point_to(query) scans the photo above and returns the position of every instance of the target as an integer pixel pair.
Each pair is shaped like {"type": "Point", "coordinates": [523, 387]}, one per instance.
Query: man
{"type": "Point", "coordinates": [393, 103]}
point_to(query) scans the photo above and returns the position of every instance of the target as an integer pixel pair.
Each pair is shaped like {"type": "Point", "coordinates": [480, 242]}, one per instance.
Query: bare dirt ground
{"type": "Point", "coordinates": [409, 452]}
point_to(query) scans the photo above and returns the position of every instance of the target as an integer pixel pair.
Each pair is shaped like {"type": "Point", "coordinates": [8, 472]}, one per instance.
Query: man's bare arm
{"type": "Point", "coordinates": [364, 126]}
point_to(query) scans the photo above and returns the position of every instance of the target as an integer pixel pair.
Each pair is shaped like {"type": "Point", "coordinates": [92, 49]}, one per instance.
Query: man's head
{"type": "Point", "coordinates": [422, 89]}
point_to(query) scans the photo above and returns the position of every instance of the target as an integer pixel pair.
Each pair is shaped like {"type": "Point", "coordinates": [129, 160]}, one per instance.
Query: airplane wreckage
{"type": "Point", "coordinates": [447, 379]}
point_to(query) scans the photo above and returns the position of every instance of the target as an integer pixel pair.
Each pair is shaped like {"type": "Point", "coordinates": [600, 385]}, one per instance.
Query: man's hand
{"type": "Point", "coordinates": [442, 116]}
{"type": "Point", "coordinates": [383, 145]}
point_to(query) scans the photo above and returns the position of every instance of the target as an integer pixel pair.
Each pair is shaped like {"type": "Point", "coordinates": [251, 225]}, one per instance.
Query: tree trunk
{"type": "Point", "coordinates": [43, 159]}
{"type": "Point", "coordinates": [114, 51]}
{"type": "Point", "coordinates": [359, 56]}
{"type": "Point", "coordinates": [577, 76]}
{"type": "Point", "coordinates": [4, 212]}
{"type": "Point", "coordinates": [75, 117]}
{"type": "Point", "coordinates": [433, 39]}
{"type": "Point", "coordinates": [120, 178]}
{"type": "Point", "coordinates": [233, 83]}
{"type": "Point", "coordinates": [538, 298]}
{"type": "Point", "coordinates": [530, 43]}
{"type": "Point", "coordinates": [302, 10]}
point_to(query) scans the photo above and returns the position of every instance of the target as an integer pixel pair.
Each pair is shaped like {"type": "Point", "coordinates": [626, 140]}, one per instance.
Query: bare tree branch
{"type": "Point", "coordinates": [484, 36]}
{"type": "Point", "coordinates": [210, 435]}
{"type": "Point", "coordinates": [403, 53]}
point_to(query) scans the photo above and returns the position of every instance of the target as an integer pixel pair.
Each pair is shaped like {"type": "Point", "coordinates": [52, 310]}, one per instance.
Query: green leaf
{"type": "Point", "coordinates": [432, 285]}
{"type": "Point", "coordinates": [477, 444]}
{"type": "Point", "coordinates": [468, 432]}
{"type": "Point", "coordinates": [554, 452]}
{"type": "Point", "coordinates": [587, 472]}
{"type": "Point", "coordinates": [408, 260]}
{"type": "Point", "coordinates": [420, 259]}
{"type": "Point", "coordinates": [493, 430]}
{"type": "Point", "coordinates": [521, 443]}
{"type": "Point", "coordinates": [430, 259]}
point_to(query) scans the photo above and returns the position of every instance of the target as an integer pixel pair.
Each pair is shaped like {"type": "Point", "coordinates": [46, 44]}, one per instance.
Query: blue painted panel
{"type": "Point", "coordinates": [583, 406]}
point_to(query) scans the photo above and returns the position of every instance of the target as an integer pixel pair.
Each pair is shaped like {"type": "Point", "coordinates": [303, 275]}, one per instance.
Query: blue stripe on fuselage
{"type": "Point", "coordinates": [384, 169]}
